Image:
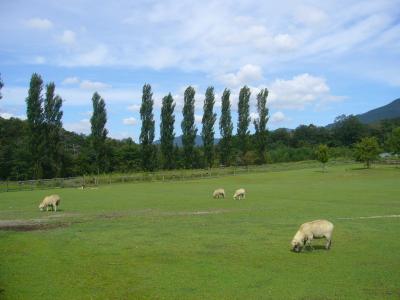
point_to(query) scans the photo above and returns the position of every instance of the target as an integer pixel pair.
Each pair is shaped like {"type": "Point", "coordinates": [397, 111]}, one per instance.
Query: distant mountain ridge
{"type": "Point", "coordinates": [388, 111]}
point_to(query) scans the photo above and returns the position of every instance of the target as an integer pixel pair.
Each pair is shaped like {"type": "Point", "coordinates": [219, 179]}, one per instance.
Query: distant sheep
{"type": "Point", "coordinates": [240, 194]}
{"type": "Point", "coordinates": [219, 193]}
{"type": "Point", "coordinates": [50, 201]}
{"type": "Point", "coordinates": [312, 230]}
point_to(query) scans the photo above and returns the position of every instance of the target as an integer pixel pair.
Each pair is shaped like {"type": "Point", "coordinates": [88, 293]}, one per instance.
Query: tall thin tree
{"type": "Point", "coordinates": [167, 131]}
{"type": "Point", "coordinates": [53, 126]}
{"type": "Point", "coordinates": [34, 112]}
{"type": "Point", "coordinates": [243, 119]}
{"type": "Point", "coordinates": [188, 126]}
{"type": "Point", "coordinates": [1, 86]}
{"type": "Point", "coordinates": [207, 132]}
{"type": "Point", "coordinates": [260, 124]}
{"type": "Point", "coordinates": [99, 132]}
{"type": "Point", "coordinates": [147, 131]}
{"type": "Point", "coordinates": [226, 129]}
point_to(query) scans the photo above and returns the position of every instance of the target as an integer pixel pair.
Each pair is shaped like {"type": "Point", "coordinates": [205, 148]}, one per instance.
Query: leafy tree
{"type": "Point", "coordinates": [147, 132]}
{"type": "Point", "coordinates": [188, 126]}
{"type": "Point", "coordinates": [1, 86]}
{"type": "Point", "coordinates": [226, 129]}
{"type": "Point", "coordinates": [53, 126]}
{"type": "Point", "coordinates": [394, 141]}
{"type": "Point", "coordinates": [322, 155]}
{"type": "Point", "coordinates": [99, 132]}
{"type": "Point", "coordinates": [208, 121]}
{"type": "Point", "coordinates": [367, 150]}
{"type": "Point", "coordinates": [35, 118]}
{"type": "Point", "coordinates": [167, 131]}
{"type": "Point", "coordinates": [348, 130]}
{"type": "Point", "coordinates": [243, 119]}
{"type": "Point", "coordinates": [261, 124]}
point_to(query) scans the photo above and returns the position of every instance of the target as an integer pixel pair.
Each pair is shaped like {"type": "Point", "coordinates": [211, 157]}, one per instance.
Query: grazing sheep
{"type": "Point", "coordinates": [312, 230]}
{"type": "Point", "coordinates": [240, 194]}
{"type": "Point", "coordinates": [50, 201]}
{"type": "Point", "coordinates": [219, 193]}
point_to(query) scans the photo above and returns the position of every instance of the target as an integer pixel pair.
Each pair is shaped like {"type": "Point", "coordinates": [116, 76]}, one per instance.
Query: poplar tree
{"type": "Point", "coordinates": [147, 131]}
{"type": "Point", "coordinates": [226, 129]}
{"type": "Point", "coordinates": [1, 86]}
{"type": "Point", "coordinates": [243, 119]}
{"type": "Point", "coordinates": [98, 131]}
{"type": "Point", "coordinates": [189, 129]}
{"type": "Point", "coordinates": [260, 124]}
{"type": "Point", "coordinates": [53, 126]}
{"type": "Point", "coordinates": [34, 112]}
{"type": "Point", "coordinates": [207, 132]}
{"type": "Point", "coordinates": [167, 131]}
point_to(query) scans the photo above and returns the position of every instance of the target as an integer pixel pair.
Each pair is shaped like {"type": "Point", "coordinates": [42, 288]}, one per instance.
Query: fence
{"type": "Point", "coordinates": [175, 175]}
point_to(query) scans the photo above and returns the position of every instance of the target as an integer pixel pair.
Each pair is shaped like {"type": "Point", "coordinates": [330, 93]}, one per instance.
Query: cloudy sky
{"type": "Point", "coordinates": [319, 59]}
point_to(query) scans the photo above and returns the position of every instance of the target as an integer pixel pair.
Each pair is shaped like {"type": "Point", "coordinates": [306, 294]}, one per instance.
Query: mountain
{"type": "Point", "coordinates": [198, 141]}
{"type": "Point", "coordinates": [389, 111]}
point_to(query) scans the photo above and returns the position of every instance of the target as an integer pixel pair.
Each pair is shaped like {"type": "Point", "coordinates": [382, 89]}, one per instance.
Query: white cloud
{"type": "Point", "coordinates": [6, 115]}
{"type": "Point", "coordinates": [130, 121]}
{"type": "Point", "coordinates": [99, 56]}
{"type": "Point", "coordinates": [93, 85]}
{"type": "Point", "coordinates": [134, 107]}
{"type": "Point", "coordinates": [278, 117]}
{"type": "Point", "coordinates": [38, 23]}
{"type": "Point", "coordinates": [39, 60]}
{"type": "Point", "coordinates": [300, 91]}
{"type": "Point", "coordinates": [82, 126]}
{"type": "Point", "coordinates": [247, 74]}
{"type": "Point", "coordinates": [68, 37]}
{"type": "Point", "coordinates": [309, 15]}
{"type": "Point", "coordinates": [198, 118]}
{"type": "Point", "coordinates": [285, 42]}
{"type": "Point", "coordinates": [253, 116]}
{"type": "Point", "coordinates": [71, 80]}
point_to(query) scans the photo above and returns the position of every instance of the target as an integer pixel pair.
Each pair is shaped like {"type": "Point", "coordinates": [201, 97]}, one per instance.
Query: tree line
{"type": "Point", "coordinates": [40, 148]}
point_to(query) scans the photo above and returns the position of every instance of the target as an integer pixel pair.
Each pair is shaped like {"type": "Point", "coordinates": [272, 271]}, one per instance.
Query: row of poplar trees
{"type": "Point", "coordinates": [44, 117]}
{"type": "Point", "coordinates": [189, 130]}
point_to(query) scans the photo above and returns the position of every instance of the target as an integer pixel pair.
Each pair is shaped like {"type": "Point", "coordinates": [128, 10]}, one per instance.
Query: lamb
{"type": "Point", "coordinates": [312, 230]}
{"type": "Point", "coordinates": [50, 201]}
{"type": "Point", "coordinates": [240, 194]}
{"type": "Point", "coordinates": [219, 193]}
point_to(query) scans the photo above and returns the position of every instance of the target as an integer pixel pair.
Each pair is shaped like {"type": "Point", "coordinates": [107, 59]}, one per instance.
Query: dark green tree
{"type": "Point", "coordinates": [243, 120]}
{"type": "Point", "coordinates": [394, 141]}
{"type": "Point", "coordinates": [226, 129]}
{"type": "Point", "coordinates": [189, 129]}
{"type": "Point", "coordinates": [99, 132]}
{"type": "Point", "coordinates": [260, 124]}
{"type": "Point", "coordinates": [208, 121]}
{"type": "Point", "coordinates": [322, 155]}
{"type": "Point", "coordinates": [35, 118]}
{"type": "Point", "coordinates": [53, 125]}
{"type": "Point", "coordinates": [1, 86]}
{"type": "Point", "coordinates": [367, 150]}
{"type": "Point", "coordinates": [167, 131]}
{"type": "Point", "coordinates": [147, 131]}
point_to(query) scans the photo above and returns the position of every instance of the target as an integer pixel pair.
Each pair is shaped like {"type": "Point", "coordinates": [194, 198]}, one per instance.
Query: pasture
{"type": "Point", "coordinates": [172, 240]}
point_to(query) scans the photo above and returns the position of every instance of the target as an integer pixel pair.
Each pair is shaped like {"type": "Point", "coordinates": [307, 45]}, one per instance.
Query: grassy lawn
{"type": "Point", "coordinates": [171, 240]}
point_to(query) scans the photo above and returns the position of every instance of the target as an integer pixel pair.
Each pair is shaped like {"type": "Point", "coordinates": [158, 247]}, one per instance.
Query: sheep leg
{"type": "Point", "coordinates": [55, 207]}
{"type": "Point", "coordinates": [328, 244]}
{"type": "Point", "coordinates": [47, 208]}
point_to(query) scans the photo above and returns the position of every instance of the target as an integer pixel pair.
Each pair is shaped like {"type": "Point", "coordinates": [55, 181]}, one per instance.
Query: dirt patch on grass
{"type": "Point", "coordinates": [14, 225]}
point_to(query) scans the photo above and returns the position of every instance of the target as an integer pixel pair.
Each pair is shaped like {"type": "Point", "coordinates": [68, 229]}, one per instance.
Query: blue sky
{"type": "Point", "coordinates": [319, 59]}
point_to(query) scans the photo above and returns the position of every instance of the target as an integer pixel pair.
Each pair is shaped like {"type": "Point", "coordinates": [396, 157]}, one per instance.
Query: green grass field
{"type": "Point", "coordinates": [173, 241]}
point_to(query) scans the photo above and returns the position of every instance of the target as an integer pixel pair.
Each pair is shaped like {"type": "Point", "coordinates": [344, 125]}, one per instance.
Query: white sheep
{"type": "Point", "coordinates": [219, 193]}
{"type": "Point", "coordinates": [240, 194]}
{"type": "Point", "coordinates": [50, 201]}
{"type": "Point", "coordinates": [312, 230]}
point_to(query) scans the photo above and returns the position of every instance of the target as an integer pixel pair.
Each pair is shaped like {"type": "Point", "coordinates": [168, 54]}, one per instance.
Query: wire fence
{"type": "Point", "coordinates": [174, 175]}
